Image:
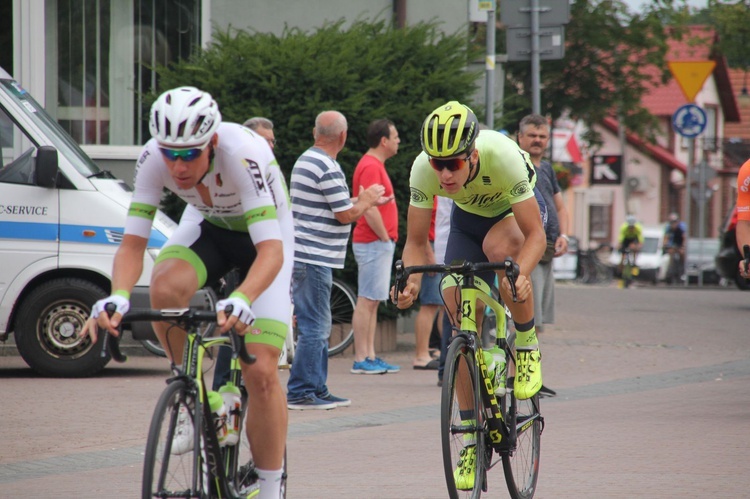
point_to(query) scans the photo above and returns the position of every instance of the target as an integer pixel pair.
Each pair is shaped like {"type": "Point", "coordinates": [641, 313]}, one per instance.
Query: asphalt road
{"type": "Point", "coordinates": [653, 401]}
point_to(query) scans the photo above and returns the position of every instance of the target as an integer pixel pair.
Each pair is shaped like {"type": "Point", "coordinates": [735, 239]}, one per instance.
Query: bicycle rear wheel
{"type": "Point", "coordinates": [172, 468]}
{"type": "Point", "coordinates": [462, 423]}
{"type": "Point", "coordinates": [521, 465]}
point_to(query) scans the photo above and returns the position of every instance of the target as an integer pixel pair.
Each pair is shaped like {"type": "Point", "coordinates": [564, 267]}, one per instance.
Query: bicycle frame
{"type": "Point", "coordinates": [502, 434]}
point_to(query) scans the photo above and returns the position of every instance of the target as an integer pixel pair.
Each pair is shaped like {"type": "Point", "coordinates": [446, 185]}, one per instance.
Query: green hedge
{"type": "Point", "coordinates": [367, 71]}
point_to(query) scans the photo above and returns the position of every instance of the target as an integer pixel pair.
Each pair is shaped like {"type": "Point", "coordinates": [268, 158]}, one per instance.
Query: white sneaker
{"type": "Point", "coordinates": [182, 441]}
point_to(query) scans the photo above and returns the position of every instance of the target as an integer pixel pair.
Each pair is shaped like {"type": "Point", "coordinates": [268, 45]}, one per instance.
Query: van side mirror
{"type": "Point", "coordinates": [46, 167]}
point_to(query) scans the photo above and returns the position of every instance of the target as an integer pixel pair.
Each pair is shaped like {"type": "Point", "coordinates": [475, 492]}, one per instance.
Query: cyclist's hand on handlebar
{"type": "Point", "coordinates": [407, 297]}
{"type": "Point", "coordinates": [523, 287]}
{"type": "Point", "coordinates": [241, 316]}
{"type": "Point", "coordinates": [100, 318]}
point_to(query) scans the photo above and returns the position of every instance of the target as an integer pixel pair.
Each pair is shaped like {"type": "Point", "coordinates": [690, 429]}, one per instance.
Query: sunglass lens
{"type": "Point", "coordinates": [451, 164]}
{"type": "Point", "coordinates": [183, 154]}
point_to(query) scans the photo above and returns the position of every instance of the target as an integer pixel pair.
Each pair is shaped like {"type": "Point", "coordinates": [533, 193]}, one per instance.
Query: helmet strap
{"type": "Point", "coordinates": [210, 163]}
{"type": "Point", "coordinates": [473, 171]}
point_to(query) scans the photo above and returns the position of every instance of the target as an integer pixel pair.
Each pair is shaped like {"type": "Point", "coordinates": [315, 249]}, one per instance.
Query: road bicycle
{"type": "Point", "coordinates": [591, 268]}
{"type": "Point", "coordinates": [629, 268]}
{"type": "Point", "coordinates": [674, 265]}
{"type": "Point", "coordinates": [206, 469]}
{"type": "Point", "coordinates": [501, 428]}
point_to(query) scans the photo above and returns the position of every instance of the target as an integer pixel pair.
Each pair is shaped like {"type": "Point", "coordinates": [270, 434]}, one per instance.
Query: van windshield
{"type": "Point", "coordinates": [58, 137]}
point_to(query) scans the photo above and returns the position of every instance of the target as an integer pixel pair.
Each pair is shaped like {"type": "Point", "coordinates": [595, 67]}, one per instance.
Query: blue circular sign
{"type": "Point", "coordinates": [689, 121]}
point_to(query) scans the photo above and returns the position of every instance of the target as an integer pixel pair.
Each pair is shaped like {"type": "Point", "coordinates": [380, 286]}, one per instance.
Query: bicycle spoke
{"type": "Point", "coordinates": [521, 464]}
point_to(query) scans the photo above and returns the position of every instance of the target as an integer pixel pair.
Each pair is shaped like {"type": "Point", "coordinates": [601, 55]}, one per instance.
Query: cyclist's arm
{"type": "Point", "coordinates": [535, 241]}
{"type": "Point", "coordinates": [265, 267]}
{"type": "Point", "coordinates": [561, 245]}
{"type": "Point", "coordinates": [128, 264]}
{"type": "Point", "coordinates": [417, 251]}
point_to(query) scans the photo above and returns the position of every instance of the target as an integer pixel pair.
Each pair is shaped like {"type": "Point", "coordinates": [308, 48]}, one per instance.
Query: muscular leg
{"type": "Point", "coordinates": [267, 409]}
{"type": "Point", "coordinates": [364, 322]}
{"type": "Point", "coordinates": [422, 330]}
{"type": "Point", "coordinates": [173, 284]}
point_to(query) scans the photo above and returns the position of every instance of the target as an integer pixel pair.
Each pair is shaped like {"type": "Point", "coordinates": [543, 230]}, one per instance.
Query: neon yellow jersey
{"type": "Point", "coordinates": [505, 176]}
{"type": "Point", "coordinates": [634, 232]}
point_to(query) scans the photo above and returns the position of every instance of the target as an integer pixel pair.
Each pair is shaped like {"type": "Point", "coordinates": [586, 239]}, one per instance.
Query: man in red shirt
{"type": "Point", "coordinates": [373, 244]}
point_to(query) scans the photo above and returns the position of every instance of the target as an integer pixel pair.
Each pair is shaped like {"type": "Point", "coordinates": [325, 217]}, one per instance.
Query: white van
{"type": "Point", "coordinates": [61, 220]}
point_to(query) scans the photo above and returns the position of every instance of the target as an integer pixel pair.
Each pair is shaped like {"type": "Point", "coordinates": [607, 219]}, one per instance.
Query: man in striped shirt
{"type": "Point", "coordinates": [323, 212]}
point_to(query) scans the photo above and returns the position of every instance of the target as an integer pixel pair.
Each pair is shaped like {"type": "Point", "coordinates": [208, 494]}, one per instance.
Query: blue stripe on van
{"type": "Point", "coordinates": [71, 233]}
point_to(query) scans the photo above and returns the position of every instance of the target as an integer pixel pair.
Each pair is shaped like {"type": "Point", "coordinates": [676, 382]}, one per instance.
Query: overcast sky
{"type": "Point", "coordinates": [636, 4]}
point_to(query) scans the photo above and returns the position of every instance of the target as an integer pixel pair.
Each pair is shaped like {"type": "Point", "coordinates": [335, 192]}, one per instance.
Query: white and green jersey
{"type": "Point", "coordinates": [505, 176]}
{"type": "Point", "coordinates": [246, 188]}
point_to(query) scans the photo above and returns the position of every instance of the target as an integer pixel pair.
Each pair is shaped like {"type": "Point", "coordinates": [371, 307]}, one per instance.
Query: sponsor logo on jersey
{"type": "Point", "coordinates": [520, 188]}
{"type": "Point", "coordinates": [418, 196]}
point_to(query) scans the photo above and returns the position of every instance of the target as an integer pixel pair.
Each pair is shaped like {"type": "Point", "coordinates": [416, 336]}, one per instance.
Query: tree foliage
{"type": "Point", "coordinates": [367, 71]}
{"type": "Point", "coordinates": [732, 22]}
{"type": "Point", "coordinates": [606, 49]}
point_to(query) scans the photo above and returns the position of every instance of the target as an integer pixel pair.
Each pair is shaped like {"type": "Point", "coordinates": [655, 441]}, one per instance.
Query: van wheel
{"type": "Point", "coordinates": [48, 326]}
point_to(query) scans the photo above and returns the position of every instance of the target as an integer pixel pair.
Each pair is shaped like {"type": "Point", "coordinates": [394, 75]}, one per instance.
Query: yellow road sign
{"type": "Point", "coordinates": [691, 76]}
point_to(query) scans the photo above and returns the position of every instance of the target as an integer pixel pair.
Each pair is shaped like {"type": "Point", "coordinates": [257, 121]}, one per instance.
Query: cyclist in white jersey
{"type": "Point", "coordinates": [237, 216]}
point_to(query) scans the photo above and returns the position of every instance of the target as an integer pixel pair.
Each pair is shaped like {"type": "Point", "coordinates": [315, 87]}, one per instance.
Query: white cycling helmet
{"type": "Point", "coordinates": [184, 117]}
{"type": "Point", "coordinates": [630, 220]}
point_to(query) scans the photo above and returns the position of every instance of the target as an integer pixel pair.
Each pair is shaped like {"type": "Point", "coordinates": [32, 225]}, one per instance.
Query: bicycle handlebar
{"type": "Point", "coordinates": [511, 269]}
{"type": "Point", "coordinates": [187, 317]}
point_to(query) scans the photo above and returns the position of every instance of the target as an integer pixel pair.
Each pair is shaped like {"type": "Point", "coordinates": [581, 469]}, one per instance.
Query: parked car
{"type": "Point", "coordinates": [701, 254]}
{"type": "Point", "coordinates": [728, 257]}
{"type": "Point", "coordinates": [649, 257]}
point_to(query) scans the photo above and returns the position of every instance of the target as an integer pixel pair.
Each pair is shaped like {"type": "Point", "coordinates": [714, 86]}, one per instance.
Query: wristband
{"type": "Point", "coordinates": [564, 236]}
{"type": "Point", "coordinates": [123, 293]}
{"type": "Point", "coordinates": [241, 296]}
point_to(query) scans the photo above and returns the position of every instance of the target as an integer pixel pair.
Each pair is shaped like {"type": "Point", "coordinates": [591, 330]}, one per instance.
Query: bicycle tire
{"type": "Point", "coordinates": [521, 465]}
{"type": "Point", "coordinates": [173, 475]}
{"type": "Point", "coordinates": [154, 347]}
{"type": "Point", "coordinates": [343, 301]}
{"type": "Point", "coordinates": [454, 431]}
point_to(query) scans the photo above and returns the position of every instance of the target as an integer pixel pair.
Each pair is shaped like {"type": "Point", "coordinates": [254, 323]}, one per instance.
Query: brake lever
{"type": "Point", "coordinates": [512, 271]}
{"type": "Point", "coordinates": [400, 281]}
{"type": "Point", "coordinates": [238, 343]}
{"type": "Point", "coordinates": [112, 346]}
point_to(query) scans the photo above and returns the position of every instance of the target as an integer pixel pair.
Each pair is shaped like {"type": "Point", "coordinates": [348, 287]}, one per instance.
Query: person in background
{"type": "Point", "coordinates": [323, 211]}
{"type": "Point", "coordinates": [263, 127]}
{"type": "Point", "coordinates": [631, 237]}
{"type": "Point", "coordinates": [430, 303]}
{"type": "Point", "coordinates": [373, 244]}
{"type": "Point", "coordinates": [743, 215]}
{"type": "Point", "coordinates": [533, 137]}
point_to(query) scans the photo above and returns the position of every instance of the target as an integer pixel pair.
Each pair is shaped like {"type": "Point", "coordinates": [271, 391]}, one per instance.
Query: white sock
{"type": "Point", "coordinates": [270, 483]}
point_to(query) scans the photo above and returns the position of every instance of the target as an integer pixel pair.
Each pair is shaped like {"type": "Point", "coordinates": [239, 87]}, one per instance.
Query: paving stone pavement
{"type": "Point", "coordinates": [653, 401]}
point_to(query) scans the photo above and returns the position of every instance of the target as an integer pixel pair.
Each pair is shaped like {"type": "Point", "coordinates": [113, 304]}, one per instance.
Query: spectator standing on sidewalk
{"type": "Point", "coordinates": [430, 302]}
{"type": "Point", "coordinates": [533, 137]}
{"type": "Point", "coordinates": [263, 127]}
{"type": "Point", "coordinates": [323, 212]}
{"type": "Point", "coordinates": [373, 244]}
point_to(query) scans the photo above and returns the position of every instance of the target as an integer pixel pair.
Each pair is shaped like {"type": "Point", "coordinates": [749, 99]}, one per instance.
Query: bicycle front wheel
{"type": "Point", "coordinates": [172, 465]}
{"type": "Point", "coordinates": [343, 301]}
{"type": "Point", "coordinates": [521, 464]}
{"type": "Point", "coordinates": [462, 423]}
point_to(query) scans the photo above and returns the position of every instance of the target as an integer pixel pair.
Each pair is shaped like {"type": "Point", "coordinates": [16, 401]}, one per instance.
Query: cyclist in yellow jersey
{"type": "Point", "coordinates": [631, 237]}
{"type": "Point", "coordinates": [496, 214]}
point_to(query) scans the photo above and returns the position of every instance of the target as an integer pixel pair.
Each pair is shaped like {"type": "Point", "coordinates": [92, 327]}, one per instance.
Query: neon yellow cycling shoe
{"type": "Point", "coordinates": [466, 468]}
{"type": "Point", "coordinates": [528, 373]}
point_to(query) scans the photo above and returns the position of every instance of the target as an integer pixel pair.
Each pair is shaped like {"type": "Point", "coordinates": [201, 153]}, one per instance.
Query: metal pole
{"type": "Point", "coordinates": [536, 106]}
{"type": "Point", "coordinates": [688, 194]}
{"type": "Point", "coordinates": [701, 215]}
{"type": "Point", "coordinates": [489, 91]}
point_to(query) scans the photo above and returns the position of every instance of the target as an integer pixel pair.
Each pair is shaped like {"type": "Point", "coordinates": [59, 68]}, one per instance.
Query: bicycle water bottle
{"type": "Point", "coordinates": [230, 393]}
{"type": "Point", "coordinates": [498, 359]}
{"type": "Point", "coordinates": [219, 412]}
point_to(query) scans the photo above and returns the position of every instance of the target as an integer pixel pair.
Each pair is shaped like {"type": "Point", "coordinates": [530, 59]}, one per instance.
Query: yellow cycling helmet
{"type": "Point", "coordinates": [449, 130]}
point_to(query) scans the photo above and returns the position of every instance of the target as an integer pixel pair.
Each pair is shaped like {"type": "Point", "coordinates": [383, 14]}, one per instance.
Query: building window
{"type": "Point", "coordinates": [600, 223]}
{"type": "Point", "coordinates": [105, 50]}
